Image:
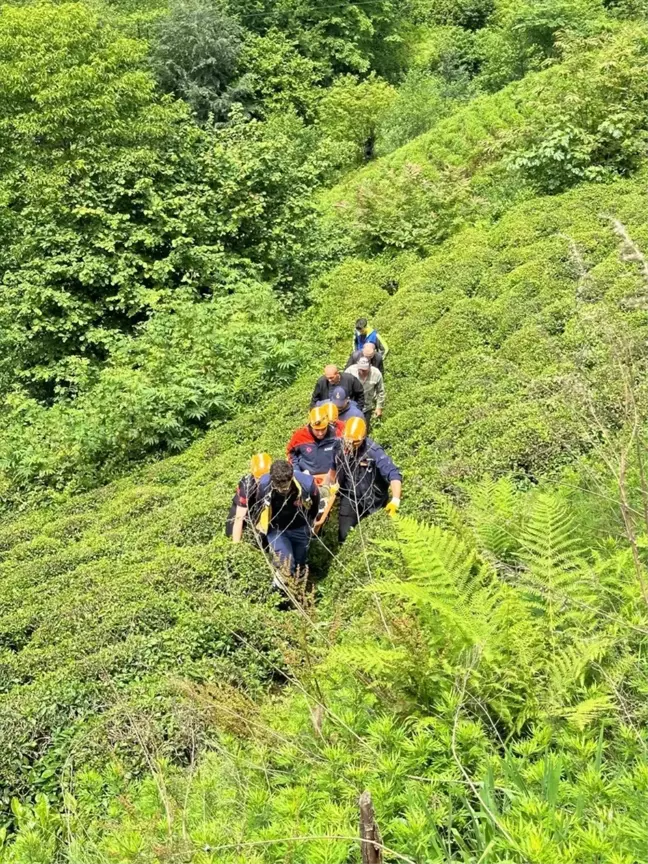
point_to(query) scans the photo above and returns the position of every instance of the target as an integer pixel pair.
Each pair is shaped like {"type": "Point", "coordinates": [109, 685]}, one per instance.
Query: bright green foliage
{"type": "Point", "coordinates": [581, 135]}
{"type": "Point", "coordinates": [419, 104]}
{"type": "Point", "coordinates": [522, 36]}
{"type": "Point", "coordinates": [190, 365]}
{"type": "Point", "coordinates": [341, 38]}
{"type": "Point", "coordinates": [351, 112]}
{"type": "Point", "coordinates": [484, 156]}
{"type": "Point", "coordinates": [450, 53]}
{"type": "Point", "coordinates": [477, 663]}
{"type": "Point", "coordinates": [196, 56]}
{"type": "Point", "coordinates": [476, 739]}
{"type": "Point", "coordinates": [277, 76]}
{"type": "Point", "coordinates": [114, 200]}
{"type": "Point", "coordinates": [468, 14]}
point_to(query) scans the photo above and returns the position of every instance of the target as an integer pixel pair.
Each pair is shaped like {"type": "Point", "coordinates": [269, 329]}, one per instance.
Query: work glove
{"type": "Point", "coordinates": [392, 507]}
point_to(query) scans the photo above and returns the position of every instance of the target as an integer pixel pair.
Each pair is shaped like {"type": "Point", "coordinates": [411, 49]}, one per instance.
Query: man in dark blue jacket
{"type": "Point", "coordinates": [290, 502]}
{"type": "Point", "coordinates": [366, 476]}
{"type": "Point", "coordinates": [346, 408]}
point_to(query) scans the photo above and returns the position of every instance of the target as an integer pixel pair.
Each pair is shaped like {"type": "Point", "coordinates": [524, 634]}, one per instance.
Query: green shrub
{"type": "Point", "coordinates": [195, 57]}
{"type": "Point", "coordinates": [191, 364]}
{"type": "Point", "coordinates": [521, 37]}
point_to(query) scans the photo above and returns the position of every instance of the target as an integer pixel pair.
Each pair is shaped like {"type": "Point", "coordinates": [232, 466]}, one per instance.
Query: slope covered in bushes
{"type": "Point", "coordinates": [502, 341]}
{"type": "Point", "coordinates": [478, 664]}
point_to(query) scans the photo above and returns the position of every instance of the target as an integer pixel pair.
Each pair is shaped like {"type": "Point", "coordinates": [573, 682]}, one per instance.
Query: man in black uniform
{"type": "Point", "coordinates": [290, 504]}
{"type": "Point", "coordinates": [366, 476]}
{"type": "Point", "coordinates": [245, 503]}
{"type": "Point", "coordinates": [333, 378]}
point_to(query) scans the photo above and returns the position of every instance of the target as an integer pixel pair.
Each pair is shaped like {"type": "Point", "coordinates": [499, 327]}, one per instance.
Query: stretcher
{"type": "Point", "coordinates": [327, 491]}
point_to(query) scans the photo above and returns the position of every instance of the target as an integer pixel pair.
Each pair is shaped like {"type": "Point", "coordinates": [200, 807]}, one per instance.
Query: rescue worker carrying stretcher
{"type": "Point", "coordinates": [290, 502]}
{"type": "Point", "coordinates": [246, 507]}
{"type": "Point", "coordinates": [313, 448]}
{"type": "Point", "coordinates": [366, 476]}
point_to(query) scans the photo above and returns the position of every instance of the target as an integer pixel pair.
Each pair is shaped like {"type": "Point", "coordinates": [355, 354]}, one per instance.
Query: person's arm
{"type": "Point", "coordinates": [380, 366]}
{"type": "Point", "coordinates": [395, 488]}
{"type": "Point", "coordinates": [239, 521]}
{"type": "Point", "coordinates": [318, 393]}
{"type": "Point", "coordinates": [330, 501]}
{"type": "Point", "coordinates": [389, 472]}
{"type": "Point", "coordinates": [382, 346]}
{"type": "Point", "coordinates": [380, 395]}
{"type": "Point", "coordinates": [357, 393]}
{"type": "Point", "coordinates": [351, 360]}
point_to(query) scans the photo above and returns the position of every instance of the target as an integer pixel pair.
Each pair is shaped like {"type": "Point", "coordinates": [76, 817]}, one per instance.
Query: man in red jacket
{"type": "Point", "coordinates": [313, 449]}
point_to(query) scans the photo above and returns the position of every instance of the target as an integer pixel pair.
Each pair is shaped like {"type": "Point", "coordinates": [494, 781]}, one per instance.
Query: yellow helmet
{"type": "Point", "coordinates": [260, 464]}
{"type": "Point", "coordinates": [355, 431]}
{"type": "Point", "coordinates": [319, 417]}
{"type": "Point", "coordinates": [333, 412]}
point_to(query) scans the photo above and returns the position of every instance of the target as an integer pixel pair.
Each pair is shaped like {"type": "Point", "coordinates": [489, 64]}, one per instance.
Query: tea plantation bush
{"type": "Point", "coordinates": [112, 600]}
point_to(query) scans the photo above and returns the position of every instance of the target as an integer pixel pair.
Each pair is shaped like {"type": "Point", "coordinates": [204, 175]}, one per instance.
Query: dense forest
{"type": "Point", "coordinates": [197, 201]}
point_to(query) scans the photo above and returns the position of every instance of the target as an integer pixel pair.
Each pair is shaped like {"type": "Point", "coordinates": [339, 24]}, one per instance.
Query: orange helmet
{"type": "Point", "coordinates": [260, 464]}
{"type": "Point", "coordinates": [355, 431]}
{"type": "Point", "coordinates": [319, 417]}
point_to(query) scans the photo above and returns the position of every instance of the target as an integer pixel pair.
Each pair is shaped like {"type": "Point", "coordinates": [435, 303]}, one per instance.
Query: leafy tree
{"type": "Point", "coordinates": [195, 57]}
{"type": "Point", "coordinates": [341, 38]}
{"type": "Point", "coordinates": [189, 365]}
{"type": "Point", "coordinates": [352, 111]}
{"type": "Point", "coordinates": [468, 14]}
{"type": "Point", "coordinates": [278, 76]}
{"type": "Point", "coordinates": [114, 199]}
{"type": "Point", "coordinates": [585, 132]}
{"type": "Point", "coordinates": [450, 53]}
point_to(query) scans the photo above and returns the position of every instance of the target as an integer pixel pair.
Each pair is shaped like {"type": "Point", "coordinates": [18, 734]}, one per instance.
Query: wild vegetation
{"type": "Point", "coordinates": [198, 201]}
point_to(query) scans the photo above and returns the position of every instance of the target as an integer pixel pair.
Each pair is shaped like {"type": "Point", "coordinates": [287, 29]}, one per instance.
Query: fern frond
{"type": "Point", "coordinates": [448, 516]}
{"type": "Point", "coordinates": [550, 547]}
{"type": "Point", "coordinates": [491, 513]}
{"type": "Point", "coordinates": [558, 578]}
{"type": "Point", "coordinates": [586, 712]}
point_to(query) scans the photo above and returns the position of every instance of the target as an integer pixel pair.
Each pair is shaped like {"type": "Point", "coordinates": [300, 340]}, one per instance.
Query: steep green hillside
{"type": "Point", "coordinates": [477, 664]}
{"type": "Point", "coordinates": [113, 604]}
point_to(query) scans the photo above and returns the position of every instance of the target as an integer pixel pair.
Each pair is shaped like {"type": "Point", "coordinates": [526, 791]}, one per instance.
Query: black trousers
{"type": "Point", "coordinates": [350, 513]}
{"type": "Point", "coordinates": [368, 415]}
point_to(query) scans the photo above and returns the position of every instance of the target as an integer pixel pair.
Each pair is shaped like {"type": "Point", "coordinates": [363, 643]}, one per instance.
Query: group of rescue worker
{"type": "Point", "coordinates": [286, 502]}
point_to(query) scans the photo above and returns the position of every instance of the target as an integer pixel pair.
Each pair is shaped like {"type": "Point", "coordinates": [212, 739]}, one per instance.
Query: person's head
{"type": "Point", "coordinates": [332, 373]}
{"type": "Point", "coordinates": [368, 350]}
{"type": "Point", "coordinates": [260, 464]}
{"type": "Point", "coordinates": [281, 476]}
{"type": "Point", "coordinates": [319, 419]}
{"type": "Point", "coordinates": [363, 367]}
{"type": "Point", "coordinates": [361, 325]}
{"type": "Point", "coordinates": [355, 432]}
{"type": "Point", "coordinates": [339, 399]}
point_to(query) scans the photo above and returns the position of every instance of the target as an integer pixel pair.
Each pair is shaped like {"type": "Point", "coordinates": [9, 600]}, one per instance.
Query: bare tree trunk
{"type": "Point", "coordinates": [369, 832]}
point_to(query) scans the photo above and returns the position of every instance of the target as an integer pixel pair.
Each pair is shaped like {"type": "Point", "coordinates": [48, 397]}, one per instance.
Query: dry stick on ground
{"type": "Point", "coordinates": [369, 831]}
